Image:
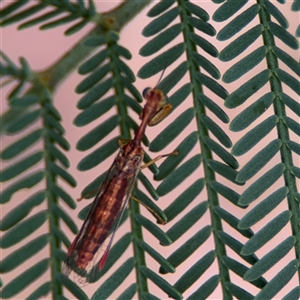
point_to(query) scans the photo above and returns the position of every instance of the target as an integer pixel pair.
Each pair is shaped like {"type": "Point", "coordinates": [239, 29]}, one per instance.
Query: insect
{"type": "Point", "coordinates": [96, 234]}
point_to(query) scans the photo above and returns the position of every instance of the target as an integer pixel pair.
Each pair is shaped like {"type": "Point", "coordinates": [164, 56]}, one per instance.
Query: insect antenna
{"type": "Point", "coordinates": [161, 75]}
{"type": "Point", "coordinates": [158, 82]}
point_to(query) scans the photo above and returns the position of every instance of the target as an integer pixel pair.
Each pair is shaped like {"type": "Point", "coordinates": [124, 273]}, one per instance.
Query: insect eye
{"type": "Point", "coordinates": [145, 91]}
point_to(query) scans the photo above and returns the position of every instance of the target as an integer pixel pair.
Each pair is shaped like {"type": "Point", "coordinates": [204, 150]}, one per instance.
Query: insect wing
{"type": "Point", "coordinates": [101, 248]}
{"type": "Point", "coordinates": [102, 254]}
{"type": "Point", "coordinates": [72, 255]}
{"type": "Point", "coordinates": [70, 263]}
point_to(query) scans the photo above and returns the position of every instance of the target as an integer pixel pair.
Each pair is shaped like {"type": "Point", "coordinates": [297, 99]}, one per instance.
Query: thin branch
{"type": "Point", "coordinates": [114, 20]}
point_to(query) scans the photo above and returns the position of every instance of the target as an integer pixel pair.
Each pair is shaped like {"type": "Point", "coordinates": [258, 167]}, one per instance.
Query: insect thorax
{"type": "Point", "coordinates": [130, 157]}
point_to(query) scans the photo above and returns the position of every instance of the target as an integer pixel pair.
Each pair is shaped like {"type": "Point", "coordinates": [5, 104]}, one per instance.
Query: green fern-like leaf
{"type": "Point", "coordinates": [275, 25]}
{"type": "Point", "coordinates": [17, 224]}
{"type": "Point", "coordinates": [26, 16]}
{"type": "Point", "coordinates": [176, 175]}
{"type": "Point", "coordinates": [220, 218]}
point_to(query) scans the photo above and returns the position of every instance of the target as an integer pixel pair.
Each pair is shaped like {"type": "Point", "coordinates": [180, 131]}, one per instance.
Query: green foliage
{"type": "Point", "coordinates": [19, 12]}
{"type": "Point", "coordinates": [37, 154]}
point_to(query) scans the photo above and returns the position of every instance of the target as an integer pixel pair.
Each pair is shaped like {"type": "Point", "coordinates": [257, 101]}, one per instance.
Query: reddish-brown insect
{"type": "Point", "coordinates": [95, 237]}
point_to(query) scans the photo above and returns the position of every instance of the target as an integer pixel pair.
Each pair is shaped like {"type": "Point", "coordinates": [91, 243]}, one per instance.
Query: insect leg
{"type": "Point", "coordinates": [88, 194]}
{"type": "Point", "coordinates": [149, 163]}
{"type": "Point", "coordinates": [160, 115]}
{"type": "Point", "coordinates": [122, 142]}
{"type": "Point", "coordinates": [160, 220]}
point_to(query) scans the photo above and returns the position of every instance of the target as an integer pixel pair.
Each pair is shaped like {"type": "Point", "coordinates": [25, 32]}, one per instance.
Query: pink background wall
{"type": "Point", "coordinates": [42, 48]}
